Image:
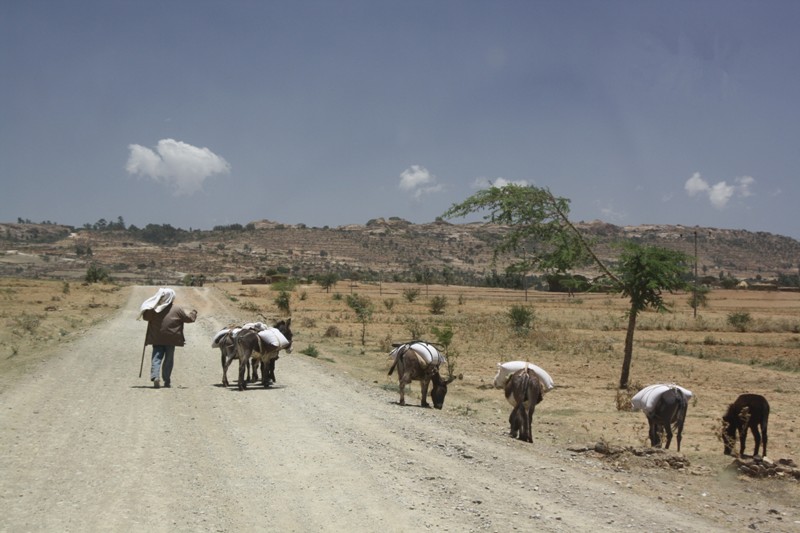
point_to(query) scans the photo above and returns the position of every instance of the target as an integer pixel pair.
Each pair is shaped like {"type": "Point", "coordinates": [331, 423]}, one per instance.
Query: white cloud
{"type": "Point", "coordinates": [178, 165]}
{"type": "Point", "coordinates": [418, 181]}
{"type": "Point", "coordinates": [696, 185]}
{"type": "Point", "coordinates": [743, 185]}
{"type": "Point", "coordinates": [720, 193]}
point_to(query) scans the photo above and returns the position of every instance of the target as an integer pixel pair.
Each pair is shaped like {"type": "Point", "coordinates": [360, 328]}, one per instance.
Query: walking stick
{"type": "Point", "coordinates": [141, 365]}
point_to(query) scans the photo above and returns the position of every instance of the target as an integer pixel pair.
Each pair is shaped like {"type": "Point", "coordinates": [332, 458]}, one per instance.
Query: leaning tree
{"type": "Point", "coordinates": [538, 224]}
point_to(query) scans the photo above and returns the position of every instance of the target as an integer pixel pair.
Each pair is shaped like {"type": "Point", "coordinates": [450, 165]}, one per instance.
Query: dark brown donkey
{"type": "Point", "coordinates": [252, 344]}
{"type": "Point", "coordinates": [668, 415]}
{"type": "Point", "coordinates": [523, 391]}
{"type": "Point", "coordinates": [419, 361]}
{"type": "Point", "coordinates": [748, 411]}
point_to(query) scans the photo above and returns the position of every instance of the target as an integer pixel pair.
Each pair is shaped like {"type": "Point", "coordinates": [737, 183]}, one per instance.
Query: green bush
{"type": "Point", "coordinates": [410, 294]}
{"type": "Point", "coordinates": [95, 273]}
{"type": "Point", "coordinates": [284, 285]}
{"type": "Point", "coordinates": [521, 318]}
{"type": "Point", "coordinates": [438, 305]}
{"type": "Point", "coordinates": [310, 351]}
{"type": "Point", "coordinates": [739, 320]}
{"type": "Point", "coordinates": [283, 301]}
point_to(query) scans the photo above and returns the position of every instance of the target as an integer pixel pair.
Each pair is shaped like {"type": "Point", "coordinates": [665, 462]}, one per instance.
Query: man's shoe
{"type": "Point", "coordinates": [156, 384]}
{"type": "Point", "coordinates": [166, 385]}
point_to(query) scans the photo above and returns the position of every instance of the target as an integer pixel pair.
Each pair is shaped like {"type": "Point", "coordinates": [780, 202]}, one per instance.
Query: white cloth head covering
{"type": "Point", "coordinates": [158, 302]}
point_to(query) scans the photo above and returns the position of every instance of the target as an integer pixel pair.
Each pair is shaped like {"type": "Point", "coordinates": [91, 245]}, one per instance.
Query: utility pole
{"type": "Point", "coordinates": [694, 296]}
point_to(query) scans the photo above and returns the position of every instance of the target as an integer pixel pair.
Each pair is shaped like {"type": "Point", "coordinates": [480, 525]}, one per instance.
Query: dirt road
{"type": "Point", "coordinates": [87, 446]}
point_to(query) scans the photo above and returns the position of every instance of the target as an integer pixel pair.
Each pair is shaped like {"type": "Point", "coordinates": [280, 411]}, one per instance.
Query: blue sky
{"type": "Point", "coordinates": [202, 113]}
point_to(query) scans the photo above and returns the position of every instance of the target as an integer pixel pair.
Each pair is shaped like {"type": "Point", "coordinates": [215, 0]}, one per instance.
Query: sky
{"type": "Point", "coordinates": [327, 113]}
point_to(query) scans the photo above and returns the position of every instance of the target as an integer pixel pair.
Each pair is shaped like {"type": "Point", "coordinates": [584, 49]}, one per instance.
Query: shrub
{"type": "Point", "coordinates": [411, 294]}
{"type": "Point", "coordinates": [444, 336]}
{"type": "Point", "coordinates": [310, 351]}
{"type": "Point", "coordinates": [284, 285]}
{"type": "Point", "coordinates": [388, 304]}
{"type": "Point", "coordinates": [95, 273]}
{"type": "Point", "coordinates": [28, 322]}
{"type": "Point", "coordinates": [250, 307]}
{"type": "Point", "coordinates": [333, 331]}
{"type": "Point", "coordinates": [363, 308]}
{"type": "Point", "coordinates": [521, 318]}
{"type": "Point", "coordinates": [739, 320]}
{"type": "Point", "coordinates": [415, 328]}
{"type": "Point", "coordinates": [438, 304]}
{"type": "Point", "coordinates": [283, 301]}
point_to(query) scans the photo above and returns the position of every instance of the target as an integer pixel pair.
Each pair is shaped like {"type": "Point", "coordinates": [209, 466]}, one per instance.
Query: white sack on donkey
{"type": "Point", "coordinates": [255, 326]}
{"type": "Point", "coordinates": [647, 398]}
{"type": "Point", "coordinates": [274, 337]}
{"type": "Point", "coordinates": [426, 353]}
{"type": "Point", "coordinates": [505, 370]}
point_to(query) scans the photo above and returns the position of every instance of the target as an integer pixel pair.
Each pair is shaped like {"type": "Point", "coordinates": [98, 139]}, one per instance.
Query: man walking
{"type": "Point", "coordinates": [164, 332]}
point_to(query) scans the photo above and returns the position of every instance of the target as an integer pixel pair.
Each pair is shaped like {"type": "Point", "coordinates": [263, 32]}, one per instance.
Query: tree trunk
{"type": "Point", "coordinates": [626, 361]}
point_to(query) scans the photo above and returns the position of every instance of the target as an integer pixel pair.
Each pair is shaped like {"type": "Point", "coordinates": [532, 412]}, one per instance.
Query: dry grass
{"type": "Point", "coordinates": [580, 342]}
{"type": "Point", "coordinates": [35, 315]}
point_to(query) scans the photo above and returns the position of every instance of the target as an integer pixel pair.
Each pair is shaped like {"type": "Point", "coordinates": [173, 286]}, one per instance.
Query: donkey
{"type": "Point", "coordinates": [252, 344]}
{"type": "Point", "coordinates": [523, 391]}
{"type": "Point", "coordinates": [668, 415]}
{"type": "Point", "coordinates": [748, 411]}
{"type": "Point", "coordinates": [225, 340]}
{"type": "Point", "coordinates": [411, 366]}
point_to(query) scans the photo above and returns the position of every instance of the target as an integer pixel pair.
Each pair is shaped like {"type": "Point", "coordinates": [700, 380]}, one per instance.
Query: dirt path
{"type": "Point", "coordinates": [87, 446]}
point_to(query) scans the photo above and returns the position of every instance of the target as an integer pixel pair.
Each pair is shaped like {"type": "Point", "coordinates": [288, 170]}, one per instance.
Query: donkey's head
{"type": "Point", "coordinates": [439, 390]}
{"type": "Point", "coordinates": [285, 327]}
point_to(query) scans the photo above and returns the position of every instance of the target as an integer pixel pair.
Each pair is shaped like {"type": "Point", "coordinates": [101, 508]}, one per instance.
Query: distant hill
{"type": "Point", "coordinates": [387, 249]}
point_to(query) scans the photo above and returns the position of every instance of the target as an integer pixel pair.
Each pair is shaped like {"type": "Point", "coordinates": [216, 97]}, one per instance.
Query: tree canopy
{"type": "Point", "coordinates": [541, 235]}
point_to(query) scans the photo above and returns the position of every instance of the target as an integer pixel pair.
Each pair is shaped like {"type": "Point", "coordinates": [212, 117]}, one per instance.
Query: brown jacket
{"type": "Point", "coordinates": [166, 328]}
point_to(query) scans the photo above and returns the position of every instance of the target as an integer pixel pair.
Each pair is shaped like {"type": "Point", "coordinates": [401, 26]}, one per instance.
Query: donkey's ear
{"type": "Point", "coordinates": [289, 321]}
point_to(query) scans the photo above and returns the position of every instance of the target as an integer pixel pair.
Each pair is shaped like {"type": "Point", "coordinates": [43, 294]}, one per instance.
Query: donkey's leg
{"type": "Point", "coordinates": [403, 382]}
{"type": "Point", "coordinates": [423, 384]}
{"type": "Point", "coordinates": [756, 437]}
{"type": "Point", "coordinates": [668, 430]}
{"type": "Point", "coordinates": [254, 364]}
{"type": "Point", "coordinates": [264, 373]}
{"type": "Point", "coordinates": [244, 355]}
{"type": "Point", "coordinates": [529, 422]}
{"type": "Point", "coordinates": [226, 363]}
{"type": "Point", "coordinates": [513, 422]}
{"type": "Point", "coordinates": [655, 439]}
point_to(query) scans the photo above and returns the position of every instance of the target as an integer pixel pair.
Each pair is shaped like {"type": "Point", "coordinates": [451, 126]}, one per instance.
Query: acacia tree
{"type": "Point", "coordinates": [328, 280]}
{"type": "Point", "coordinates": [644, 273]}
{"type": "Point", "coordinates": [538, 224]}
{"type": "Point", "coordinates": [363, 308]}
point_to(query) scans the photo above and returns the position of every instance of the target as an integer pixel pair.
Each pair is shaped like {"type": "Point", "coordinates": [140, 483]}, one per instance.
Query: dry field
{"type": "Point", "coordinates": [578, 340]}
{"type": "Point", "coordinates": [36, 316]}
